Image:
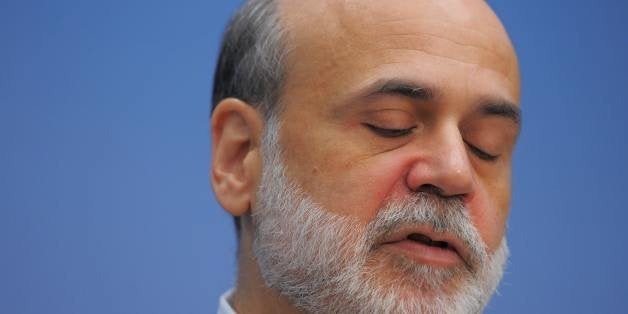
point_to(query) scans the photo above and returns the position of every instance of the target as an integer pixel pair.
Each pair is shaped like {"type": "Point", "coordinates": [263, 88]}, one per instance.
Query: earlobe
{"type": "Point", "coordinates": [236, 163]}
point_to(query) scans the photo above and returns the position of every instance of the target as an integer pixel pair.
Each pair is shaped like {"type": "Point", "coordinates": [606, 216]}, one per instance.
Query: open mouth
{"type": "Point", "coordinates": [425, 246]}
{"type": "Point", "coordinates": [421, 238]}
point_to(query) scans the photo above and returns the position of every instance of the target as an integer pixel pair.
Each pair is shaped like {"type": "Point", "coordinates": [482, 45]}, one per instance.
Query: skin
{"type": "Point", "coordinates": [334, 120]}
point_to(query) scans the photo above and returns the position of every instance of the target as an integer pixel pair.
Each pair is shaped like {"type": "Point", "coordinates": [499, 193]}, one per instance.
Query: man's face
{"type": "Point", "coordinates": [386, 102]}
{"type": "Point", "coordinates": [355, 132]}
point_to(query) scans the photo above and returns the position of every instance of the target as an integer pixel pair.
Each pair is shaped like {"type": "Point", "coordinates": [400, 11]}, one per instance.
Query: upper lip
{"type": "Point", "coordinates": [453, 242]}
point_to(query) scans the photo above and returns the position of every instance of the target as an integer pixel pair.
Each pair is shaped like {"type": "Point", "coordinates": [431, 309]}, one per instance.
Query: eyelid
{"type": "Point", "coordinates": [387, 132]}
{"type": "Point", "coordinates": [480, 153]}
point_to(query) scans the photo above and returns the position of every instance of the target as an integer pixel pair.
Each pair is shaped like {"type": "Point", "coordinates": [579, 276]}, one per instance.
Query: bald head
{"type": "Point", "coordinates": [255, 44]}
{"type": "Point", "coordinates": [328, 37]}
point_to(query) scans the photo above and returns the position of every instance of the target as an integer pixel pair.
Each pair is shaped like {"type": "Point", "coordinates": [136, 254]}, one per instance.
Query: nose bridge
{"type": "Point", "coordinates": [442, 164]}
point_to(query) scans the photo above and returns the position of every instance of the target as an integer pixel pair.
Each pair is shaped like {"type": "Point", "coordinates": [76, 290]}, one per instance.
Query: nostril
{"type": "Point", "coordinates": [434, 190]}
{"type": "Point", "coordinates": [430, 188]}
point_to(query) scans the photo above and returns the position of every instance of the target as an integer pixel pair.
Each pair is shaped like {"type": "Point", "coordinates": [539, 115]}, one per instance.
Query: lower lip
{"type": "Point", "coordinates": [425, 254]}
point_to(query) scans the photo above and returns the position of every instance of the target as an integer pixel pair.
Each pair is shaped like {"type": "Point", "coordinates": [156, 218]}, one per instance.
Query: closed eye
{"type": "Point", "coordinates": [480, 153]}
{"type": "Point", "coordinates": [385, 132]}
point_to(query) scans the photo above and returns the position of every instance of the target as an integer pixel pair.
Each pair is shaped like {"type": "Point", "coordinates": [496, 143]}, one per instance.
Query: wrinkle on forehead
{"type": "Point", "coordinates": [465, 31]}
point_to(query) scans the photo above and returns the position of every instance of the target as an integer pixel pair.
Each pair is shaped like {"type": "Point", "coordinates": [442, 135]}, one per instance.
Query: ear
{"type": "Point", "coordinates": [236, 157]}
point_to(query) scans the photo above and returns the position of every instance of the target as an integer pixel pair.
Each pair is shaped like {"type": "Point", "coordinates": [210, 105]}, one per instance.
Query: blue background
{"type": "Point", "coordinates": [104, 201]}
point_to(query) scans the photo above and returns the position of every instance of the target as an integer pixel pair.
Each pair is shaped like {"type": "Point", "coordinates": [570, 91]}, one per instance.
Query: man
{"type": "Point", "coordinates": [365, 149]}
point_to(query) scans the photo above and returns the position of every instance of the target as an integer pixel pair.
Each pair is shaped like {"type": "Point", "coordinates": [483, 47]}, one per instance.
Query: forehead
{"type": "Point", "coordinates": [335, 45]}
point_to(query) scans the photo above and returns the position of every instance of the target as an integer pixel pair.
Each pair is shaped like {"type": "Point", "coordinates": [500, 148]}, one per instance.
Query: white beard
{"type": "Point", "coordinates": [325, 263]}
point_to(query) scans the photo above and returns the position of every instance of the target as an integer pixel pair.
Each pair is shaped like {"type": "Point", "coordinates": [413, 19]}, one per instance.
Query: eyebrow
{"type": "Point", "coordinates": [402, 88]}
{"type": "Point", "coordinates": [415, 91]}
{"type": "Point", "coordinates": [503, 109]}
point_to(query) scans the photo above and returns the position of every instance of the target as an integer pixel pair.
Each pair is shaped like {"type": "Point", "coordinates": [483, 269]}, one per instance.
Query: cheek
{"type": "Point", "coordinates": [489, 212]}
{"type": "Point", "coordinates": [351, 185]}
{"type": "Point", "coordinates": [368, 184]}
{"type": "Point", "coordinates": [341, 175]}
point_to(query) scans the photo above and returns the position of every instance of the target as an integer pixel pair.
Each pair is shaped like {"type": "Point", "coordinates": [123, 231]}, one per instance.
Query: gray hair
{"type": "Point", "coordinates": [250, 66]}
{"type": "Point", "coordinates": [251, 62]}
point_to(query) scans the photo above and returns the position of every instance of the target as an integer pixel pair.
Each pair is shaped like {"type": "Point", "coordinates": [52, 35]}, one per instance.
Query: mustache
{"type": "Point", "coordinates": [443, 215]}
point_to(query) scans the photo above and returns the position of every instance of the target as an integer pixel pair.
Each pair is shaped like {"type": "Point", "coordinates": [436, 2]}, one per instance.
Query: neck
{"type": "Point", "coordinates": [251, 294]}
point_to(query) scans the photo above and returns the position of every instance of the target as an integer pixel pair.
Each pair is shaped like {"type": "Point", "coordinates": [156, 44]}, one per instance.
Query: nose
{"type": "Point", "coordinates": [442, 166]}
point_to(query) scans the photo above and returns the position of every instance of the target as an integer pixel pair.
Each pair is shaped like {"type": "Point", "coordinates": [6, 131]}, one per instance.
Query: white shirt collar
{"type": "Point", "coordinates": [223, 306]}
